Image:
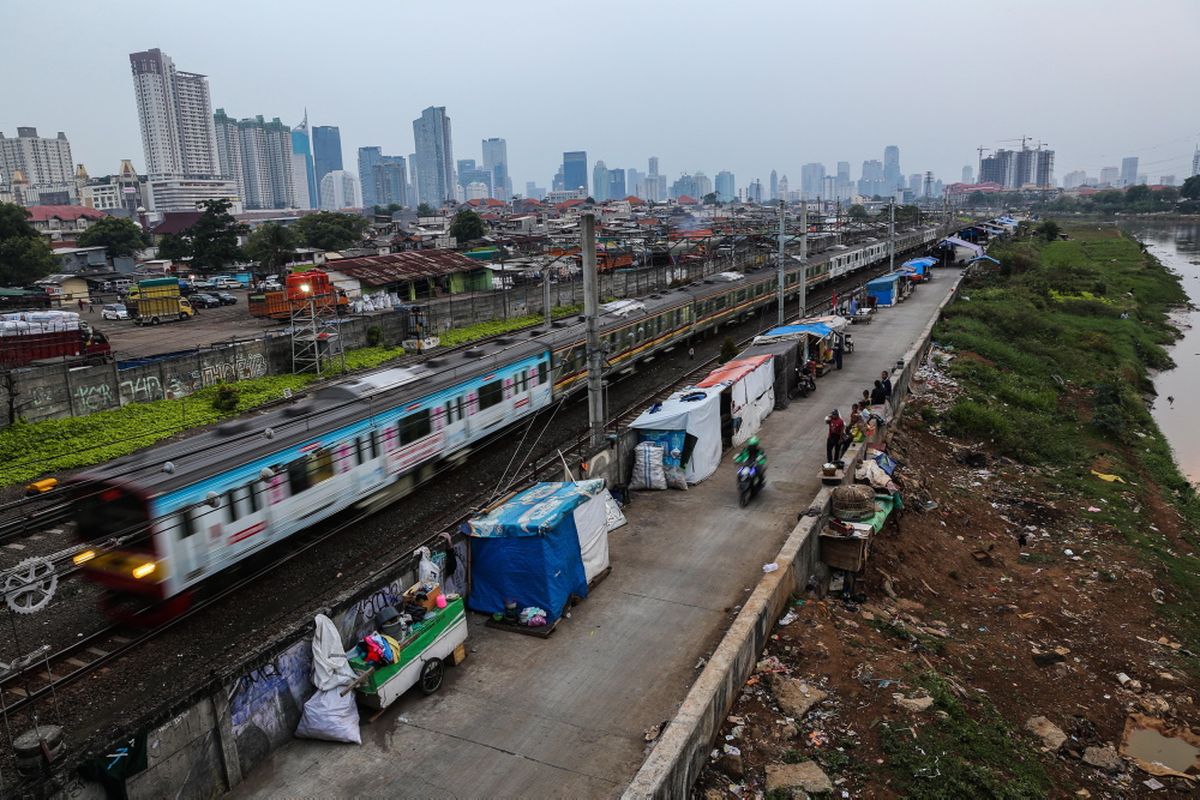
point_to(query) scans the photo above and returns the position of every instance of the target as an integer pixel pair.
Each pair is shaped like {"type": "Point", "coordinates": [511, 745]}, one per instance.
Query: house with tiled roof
{"type": "Point", "coordinates": [62, 223]}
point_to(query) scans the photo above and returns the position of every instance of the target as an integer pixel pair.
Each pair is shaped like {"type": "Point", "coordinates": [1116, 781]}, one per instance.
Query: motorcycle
{"type": "Point", "coordinates": [805, 384]}
{"type": "Point", "coordinates": [749, 481]}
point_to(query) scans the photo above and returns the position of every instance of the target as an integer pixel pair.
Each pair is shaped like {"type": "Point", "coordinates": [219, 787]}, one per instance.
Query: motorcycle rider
{"type": "Point", "coordinates": [754, 453]}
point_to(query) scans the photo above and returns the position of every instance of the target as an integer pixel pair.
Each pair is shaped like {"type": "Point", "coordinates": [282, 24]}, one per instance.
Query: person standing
{"type": "Point", "coordinates": [833, 440]}
{"type": "Point", "coordinates": [837, 353]}
{"type": "Point", "coordinates": [885, 378]}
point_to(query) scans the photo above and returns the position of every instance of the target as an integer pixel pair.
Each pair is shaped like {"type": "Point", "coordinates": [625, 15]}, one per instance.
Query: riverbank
{"type": "Point", "coordinates": [1009, 632]}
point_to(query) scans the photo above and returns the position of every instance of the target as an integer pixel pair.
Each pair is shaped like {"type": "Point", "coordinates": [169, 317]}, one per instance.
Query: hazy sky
{"type": "Point", "coordinates": [744, 85]}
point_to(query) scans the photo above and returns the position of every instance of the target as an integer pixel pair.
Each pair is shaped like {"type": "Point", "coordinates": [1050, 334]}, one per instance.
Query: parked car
{"type": "Point", "coordinates": [114, 311]}
{"type": "Point", "coordinates": [201, 284]}
{"type": "Point", "coordinates": [122, 285]}
{"type": "Point", "coordinates": [226, 299]}
{"type": "Point", "coordinates": [226, 283]}
{"type": "Point", "coordinates": [204, 300]}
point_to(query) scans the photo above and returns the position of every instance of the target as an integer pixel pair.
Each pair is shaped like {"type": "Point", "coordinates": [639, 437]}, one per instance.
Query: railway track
{"type": "Point", "coordinates": [42, 673]}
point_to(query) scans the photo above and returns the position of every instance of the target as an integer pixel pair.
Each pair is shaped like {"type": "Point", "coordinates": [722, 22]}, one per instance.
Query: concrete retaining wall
{"type": "Point", "coordinates": [682, 750]}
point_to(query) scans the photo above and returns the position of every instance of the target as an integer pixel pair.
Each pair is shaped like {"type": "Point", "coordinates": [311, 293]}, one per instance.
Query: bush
{"type": "Point", "coordinates": [728, 350]}
{"type": "Point", "coordinates": [226, 398]}
{"type": "Point", "coordinates": [374, 336]}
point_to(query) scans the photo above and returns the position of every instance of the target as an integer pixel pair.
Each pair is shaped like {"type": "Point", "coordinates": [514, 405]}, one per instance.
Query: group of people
{"type": "Point", "coordinates": [843, 431]}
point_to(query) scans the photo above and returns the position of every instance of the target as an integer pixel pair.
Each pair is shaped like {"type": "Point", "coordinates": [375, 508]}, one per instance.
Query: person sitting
{"type": "Point", "coordinates": [754, 453]}
{"type": "Point", "coordinates": [878, 394]}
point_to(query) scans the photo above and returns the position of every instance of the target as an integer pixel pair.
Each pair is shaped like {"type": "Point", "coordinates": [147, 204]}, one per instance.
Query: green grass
{"type": "Point", "coordinates": [482, 330]}
{"type": "Point", "coordinates": [963, 755]}
{"type": "Point", "coordinates": [1055, 354]}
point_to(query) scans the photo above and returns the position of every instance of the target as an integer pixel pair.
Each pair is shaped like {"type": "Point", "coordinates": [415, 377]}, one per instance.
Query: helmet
{"type": "Point", "coordinates": [752, 441]}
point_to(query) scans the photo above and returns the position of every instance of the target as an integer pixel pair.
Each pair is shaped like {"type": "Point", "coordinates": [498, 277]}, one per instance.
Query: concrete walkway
{"type": "Point", "coordinates": [566, 716]}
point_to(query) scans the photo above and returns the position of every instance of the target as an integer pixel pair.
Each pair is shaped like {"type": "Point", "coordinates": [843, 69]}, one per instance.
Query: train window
{"type": "Point", "coordinates": [490, 394]}
{"type": "Point", "coordinates": [231, 509]}
{"type": "Point", "coordinates": [358, 450]}
{"type": "Point", "coordinates": [542, 372]}
{"type": "Point", "coordinates": [252, 495]}
{"type": "Point", "coordinates": [374, 445]}
{"type": "Point", "coordinates": [520, 383]}
{"type": "Point", "coordinates": [414, 426]}
{"type": "Point", "coordinates": [449, 412]}
{"type": "Point", "coordinates": [297, 472]}
{"type": "Point", "coordinates": [320, 465]}
{"type": "Point", "coordinates": [459, 406]}
{"type": "Point", "coordinates": [187, 527]}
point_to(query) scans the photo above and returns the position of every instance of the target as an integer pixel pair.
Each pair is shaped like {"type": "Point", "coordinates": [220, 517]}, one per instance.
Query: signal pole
{"type": "Point", "coordinates": [591, 310]}
{"type": "Point", "coordinates": [892, 235]}
{"type": "Point", "coordinates": [803, 257]}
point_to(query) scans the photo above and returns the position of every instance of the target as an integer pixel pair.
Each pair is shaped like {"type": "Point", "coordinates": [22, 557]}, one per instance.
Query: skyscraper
{"type": "Point", "coordinates": [435, 156]}
{"type": "Point", "coordinates": [327, 151]}
{"type": "Point", "coordinates": [229, 150]}
{"type": "Point", "coordinates": [1129, 171]}
{"type": "Point", "coordinates": [1196, 162]}
{"type": "Point", "coordinates": [774, 186]}
{"type": "Point", "coordinates": [389, 181]}
{"type": "Point", "coordinates": [302, 165]}
{"type": "Point", "coordinates": [340, 189]}
{"type": "Point", "coordinates": [175, 115]}
{"type": "Point", "coordinates": [600, 182]}
{"type": "Point", "coordinates": [725, 186]}
{"type": "Point", "coordinates": [812, 178]}
{"type": "Point", "coordinates": [368, 159]}
{"type": "Point", "coordinates": [968, 174]}
{"type": "Point", "coordinates": [44, 162]}
{"type": "Point", "coordinates": [652, 164]}
{"type": "Point", "coordinates": [495, 159]}
{"type": "Point", "coordinates": [892, 177]}
{"type": "Point", "coordinates": [574, 170]}
{"type": "Point", "coordinates": [1109, 176]}
{"type": "Point", "coordinates": [635, 183]}
{"type": "Point", "coordinates": [871, 182]}
{"type": "Point", "coordinates": [616, 184]}
{"type": "Point", "coordinates": [257, 156]}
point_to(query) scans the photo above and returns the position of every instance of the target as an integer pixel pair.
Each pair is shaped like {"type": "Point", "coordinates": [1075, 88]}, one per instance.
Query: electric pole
{"type": "Point", "coordinates": [591, 310]}
{"type": "Point", "coordinates": [892, 235]}
{"type": "Point", "coordinates": [803, 257]}
{"type": "Point", "coordinates": [782, 273]}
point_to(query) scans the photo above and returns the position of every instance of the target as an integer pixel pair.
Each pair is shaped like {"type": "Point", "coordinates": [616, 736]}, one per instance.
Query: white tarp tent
{"type": "Point", "coordinates": [694, 413]}
{"type": "Point", "coordinates": [751, 383]}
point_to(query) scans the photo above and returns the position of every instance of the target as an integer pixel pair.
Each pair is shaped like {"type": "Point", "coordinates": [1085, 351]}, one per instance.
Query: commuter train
{"type": "Point", "coordinates": [169, 517]}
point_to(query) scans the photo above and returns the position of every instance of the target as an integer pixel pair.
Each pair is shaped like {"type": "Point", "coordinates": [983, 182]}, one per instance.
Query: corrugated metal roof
{"type": "Point", "coordinates": [405, 266]}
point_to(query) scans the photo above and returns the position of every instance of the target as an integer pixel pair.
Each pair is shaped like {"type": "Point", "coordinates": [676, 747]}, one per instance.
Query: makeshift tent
{"type": "Point", "coordinates": [688, 423]}
{"type": "Point", "coordinates": [962, 249]}
{"type": "Point", "coordinates": [919, 267]}
{"type": "Point", "coordinates": [539, 548]}
{"type": "Point", "coordinates": [751, 386]}
{"type": "Point", "coordinates": [885, 289]}
{"type": "Point", "coordinates": [787, 357]}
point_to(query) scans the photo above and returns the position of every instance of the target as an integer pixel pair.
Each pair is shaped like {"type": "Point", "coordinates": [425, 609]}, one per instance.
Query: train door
{"type": "Point", "coordinates": [312, 489]}
{"type": "Point", "coordinates": [193, 545]}
{"type": "Point", "coordinates": [248, 525]}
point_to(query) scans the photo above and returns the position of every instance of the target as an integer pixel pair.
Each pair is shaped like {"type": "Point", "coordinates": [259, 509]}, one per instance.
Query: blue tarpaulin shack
{"type": "Point", "coordinates": [885, 289]}
{"type": "Point", "coordinates": [528, 549]}
{"type": "Point", "coordinates": [920, 267]}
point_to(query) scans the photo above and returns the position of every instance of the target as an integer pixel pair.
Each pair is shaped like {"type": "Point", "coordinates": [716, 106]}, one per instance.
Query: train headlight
{"type": "Point", "coordinates": [86, 555]}
{"type": "Point", "coordinates": [142, 570]}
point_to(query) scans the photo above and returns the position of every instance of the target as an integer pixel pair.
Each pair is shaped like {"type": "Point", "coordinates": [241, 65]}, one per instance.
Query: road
{"type": "Point", "coordinates": [566, 716]}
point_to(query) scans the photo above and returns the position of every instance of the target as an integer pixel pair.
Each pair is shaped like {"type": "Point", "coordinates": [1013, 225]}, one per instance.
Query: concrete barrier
{"type": "Point", "coordinates": [682, 750]}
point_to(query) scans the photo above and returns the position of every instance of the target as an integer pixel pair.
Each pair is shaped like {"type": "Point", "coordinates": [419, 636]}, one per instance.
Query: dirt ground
{"type": "Point", "coordinates": [1005, 602]}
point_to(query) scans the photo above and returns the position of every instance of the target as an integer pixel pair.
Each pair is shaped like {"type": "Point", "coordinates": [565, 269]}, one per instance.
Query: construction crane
{"type": "Point", "coordinates": [1022, 140]}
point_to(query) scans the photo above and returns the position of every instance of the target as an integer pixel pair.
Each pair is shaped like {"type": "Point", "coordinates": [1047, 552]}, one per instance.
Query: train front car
{"type": "Point", "coordinates": [115, 521]}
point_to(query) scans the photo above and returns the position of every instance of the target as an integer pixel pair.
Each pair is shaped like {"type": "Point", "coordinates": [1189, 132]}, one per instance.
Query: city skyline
{"type": "Point", "coordinates": [102, 124]}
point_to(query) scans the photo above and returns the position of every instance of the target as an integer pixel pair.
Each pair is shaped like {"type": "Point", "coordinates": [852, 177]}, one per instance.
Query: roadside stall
{"type": "Point", "coordinates": [885, 290]}
{"type": "Point", "coordinates": [919, 268]}
{"type": "Point", "coordinates": [815, 339]}
{"type": "Point", "coordinates": [958, 251]}
{"type": "Point", "coordinates": [533, 553]}
{"type": "Point", "coordinates": [747, 395]}
{"type": "Point", "coordinates": [687, 426]}
{"type": "Point", "coordinates": [859, 512]}
{"type": "Point", "coordinates": [786, 360]}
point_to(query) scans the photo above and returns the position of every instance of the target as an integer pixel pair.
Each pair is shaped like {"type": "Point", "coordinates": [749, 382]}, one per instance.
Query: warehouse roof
{"type": "Point", "coordinates": [406, 266]}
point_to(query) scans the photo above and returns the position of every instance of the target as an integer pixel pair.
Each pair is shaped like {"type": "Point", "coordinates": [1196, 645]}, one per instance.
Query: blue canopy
{"type": "Point", "coordinates": [983, 258]}
{"type": "Point", "coordinates": [527, 550]}
{"type": "Point", "coordinates": [883, 280]}
{"type": "Point", "coordinates": [815, 328]}
{"type": "Point", "coordinates": [916, 262]}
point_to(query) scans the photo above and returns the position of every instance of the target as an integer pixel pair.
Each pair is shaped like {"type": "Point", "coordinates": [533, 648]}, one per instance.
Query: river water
{"type": "Point", "coordinates": [1177, 246]}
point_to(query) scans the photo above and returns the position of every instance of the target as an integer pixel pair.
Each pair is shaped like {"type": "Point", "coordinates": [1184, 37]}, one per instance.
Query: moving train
{"type": "Point", "coordinates": [164, 519]}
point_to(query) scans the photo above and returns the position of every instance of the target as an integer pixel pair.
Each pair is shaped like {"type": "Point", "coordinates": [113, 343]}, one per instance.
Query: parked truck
{"type": "Point", "coordinates": [31, 337]}
{"type": "Point", "coordinates": [158, 300]}
{"type": "Point", "coordinates": [303, 288]}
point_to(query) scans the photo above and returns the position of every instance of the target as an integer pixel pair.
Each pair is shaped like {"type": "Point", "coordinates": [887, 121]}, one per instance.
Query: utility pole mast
{"type": "Point", "coordinates": [803, 257]}
{"type": "Point", "coordinates": [782, 273]}
{"type": "Point", "coordinates": [892, 235]}
{"type": "Point", "coordinates": [591, 310]}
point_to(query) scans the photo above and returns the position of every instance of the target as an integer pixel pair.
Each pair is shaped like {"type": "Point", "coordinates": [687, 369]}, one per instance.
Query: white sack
{"type": "Point", "coordinates": [648, 467]}
{"type": "Point", "coordinates": [330, 716]}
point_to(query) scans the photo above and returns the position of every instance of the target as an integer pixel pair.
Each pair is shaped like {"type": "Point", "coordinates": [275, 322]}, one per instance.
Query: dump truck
{"type": "Point", "coordinates": [158, 300]}
{"type": "Point", "coordinates": [28, 338]}
{"type": "Point", "coordinates": [301, 289]}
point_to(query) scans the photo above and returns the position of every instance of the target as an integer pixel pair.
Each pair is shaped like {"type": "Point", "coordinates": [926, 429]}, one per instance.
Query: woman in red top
{"type": "Point", "coordinates": [833, 442]}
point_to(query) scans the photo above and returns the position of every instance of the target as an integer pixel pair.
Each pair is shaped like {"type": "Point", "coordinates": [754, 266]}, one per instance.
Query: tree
{"type": "Point", "coordinates": [467, 225]}
{"type": "Point", "coordinates": [328, 230]}
{"type": "Point", "coordinates": [24, 254]}
{"type": "Point", "coordinates": [856, 211]}
{"type": "Point", "coordinates": [729, 350]}
{"type": "Point", "coordinates": [214, 237]}
{"type": "Point", "coordinates": [426, 210]}
{"type": "Point", "coordinates": [272, 246]}
{"type": "Point", "coordinates": [118, 236]}
{"type": "Point", "coordinates": [176, 247]}
{"type": "Point", "coordinates": [1191, 188]}
{"type": "Point", "coordinates": [1049, 230]}
{"type": "Point", "coordinates": [710, 199]}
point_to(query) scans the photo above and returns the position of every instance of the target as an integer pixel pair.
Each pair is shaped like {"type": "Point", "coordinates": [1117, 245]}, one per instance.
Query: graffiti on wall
{"type": "Point", "coordinates": [265, 704]}
{"type": "Point", "coordinates": [93, 398]}
{"type": "Point", "coordinates": [141, 390]}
